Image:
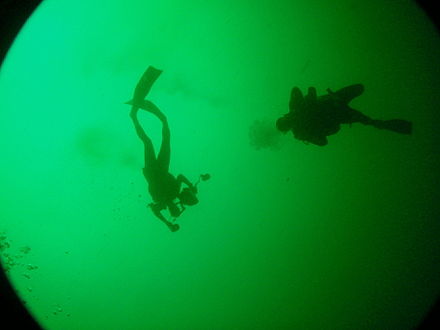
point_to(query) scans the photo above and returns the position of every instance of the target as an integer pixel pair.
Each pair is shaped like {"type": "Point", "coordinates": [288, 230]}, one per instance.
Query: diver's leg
{"type": "Point", "coordinates": [164, 155]}
{"type": "Point", "coordinates": [348, 93]}
{"type": "Point", "coordinates": [296, 99]}
{"type": "Point", "coordinates": [395, 125]}
{"type": "Point", "coordinates": [149, 155]}
{"type": "Point", "coordinates": [351, 116]}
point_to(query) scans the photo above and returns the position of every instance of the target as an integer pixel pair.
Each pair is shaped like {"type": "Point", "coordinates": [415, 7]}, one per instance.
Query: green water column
{"type": "Point", "coordinates": [286, 235]}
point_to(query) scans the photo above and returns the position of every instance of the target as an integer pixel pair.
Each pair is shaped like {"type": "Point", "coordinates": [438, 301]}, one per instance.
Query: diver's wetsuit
{"type": "Point", "coordinates": [315, 118]}
{"type": "Point", "coordinates": [312, 119]}
{"type": "Point", "coordinates": [162, 185]}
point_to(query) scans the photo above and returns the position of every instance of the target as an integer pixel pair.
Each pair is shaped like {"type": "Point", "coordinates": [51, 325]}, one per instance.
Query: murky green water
{"type": "Point", "coordinates": [286, 235]}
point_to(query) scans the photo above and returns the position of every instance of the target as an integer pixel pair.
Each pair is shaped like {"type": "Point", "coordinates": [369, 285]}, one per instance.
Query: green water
{"type": "Point", "coordinates": [286, 235]}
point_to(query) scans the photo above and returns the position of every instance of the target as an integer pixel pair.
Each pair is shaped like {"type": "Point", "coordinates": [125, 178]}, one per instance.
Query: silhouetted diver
{"type": "Point", "coordinates": [164, 188]}
{"type": "Point", "coordinates": [312, 119]}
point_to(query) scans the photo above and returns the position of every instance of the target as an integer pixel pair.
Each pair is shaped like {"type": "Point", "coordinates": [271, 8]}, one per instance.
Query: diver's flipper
{"type": "Point", "coordinates": [395, 125]}
{"type": "Point", "coordinates": [144, 85]}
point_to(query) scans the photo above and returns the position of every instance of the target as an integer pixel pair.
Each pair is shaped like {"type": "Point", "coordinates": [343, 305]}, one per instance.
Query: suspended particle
{"type": "Point", "coordinates": [25, 249]}
{"type": "Point", "coordinates": [4, 245]}
{"type": "Point", "coordinates": [31, 267]}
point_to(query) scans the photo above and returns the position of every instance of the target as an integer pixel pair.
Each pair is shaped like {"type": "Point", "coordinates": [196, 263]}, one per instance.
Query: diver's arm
{"type": "Point", "coordinates": [181, 178]}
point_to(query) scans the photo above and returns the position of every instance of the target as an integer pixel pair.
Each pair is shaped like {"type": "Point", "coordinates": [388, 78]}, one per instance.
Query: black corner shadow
{"type": "Point", "coordinates": [13, 315]}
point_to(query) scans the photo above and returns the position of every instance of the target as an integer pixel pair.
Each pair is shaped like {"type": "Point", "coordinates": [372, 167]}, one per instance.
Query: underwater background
{"type": "Point", "coordinates": [286, 235]}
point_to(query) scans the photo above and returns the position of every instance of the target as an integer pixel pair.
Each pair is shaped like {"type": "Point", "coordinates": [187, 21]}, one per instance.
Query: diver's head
{"type": "Point", "coordinates": [284, 124]}
{"type": "Point", "coordinates": [188, 196]}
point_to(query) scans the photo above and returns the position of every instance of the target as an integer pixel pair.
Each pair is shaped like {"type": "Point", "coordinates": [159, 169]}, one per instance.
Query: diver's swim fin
{"type": "Point", "coordinates": [395, 125]}
{"type": "Point", "coordinates": [144, 104]}
{"type": "Point", "coordinates": [145, 83]}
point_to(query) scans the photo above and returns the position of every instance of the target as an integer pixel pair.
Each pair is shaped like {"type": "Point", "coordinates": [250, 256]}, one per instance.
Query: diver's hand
{"type": "Point", "coordinates": [174, 227]}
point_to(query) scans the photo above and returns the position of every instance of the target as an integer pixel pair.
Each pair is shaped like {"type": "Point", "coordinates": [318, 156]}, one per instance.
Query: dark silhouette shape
{"type": "Point", "coordinates": [164, 188]}
{"type": "Point", "coordinates": [312, 118]}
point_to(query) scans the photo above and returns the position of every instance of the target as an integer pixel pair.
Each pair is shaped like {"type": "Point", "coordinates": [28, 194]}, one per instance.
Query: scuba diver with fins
{"type": "Point", "coordinates": [313, 118]}
{"type": "Point", "coordinates": [164, 188]}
